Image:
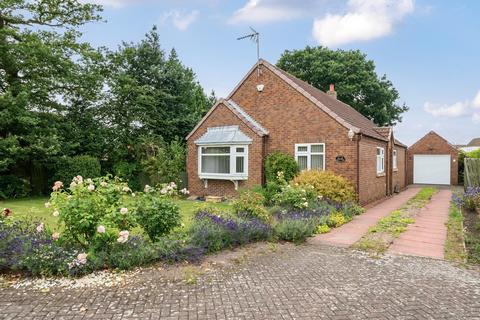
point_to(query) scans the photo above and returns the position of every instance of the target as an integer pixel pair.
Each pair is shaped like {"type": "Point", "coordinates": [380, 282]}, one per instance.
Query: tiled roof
{"type": "Point", "coordinates": [474, 143]}
{"type": "Point", "coordinates": [247, 117]}
{"type": "Point", "coordinates": [398, 143]}
{"type": "Point", "coordinates": [384, 131]}
{"type": "Point", "coordinates": [340, 109]}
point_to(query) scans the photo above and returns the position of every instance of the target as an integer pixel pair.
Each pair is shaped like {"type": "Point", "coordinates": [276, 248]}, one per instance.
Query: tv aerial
{"type": "Point", "coordinates": [255, 37]}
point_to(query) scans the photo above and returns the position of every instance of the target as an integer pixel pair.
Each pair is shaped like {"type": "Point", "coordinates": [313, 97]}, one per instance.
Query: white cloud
{"type": "Point", "coordinates": [476, 118]}
{"type": "Point", "coordinates": [181, 20]}
{"type": "Point", "coordinates": [476, 101]}
{"type": "Point", "coordinates": [455, 110]}
{"type": "Point", "coordinates": [444, 110]}
{"type": "Point", "coordinates": [364, 20]}
{"type": "Point", "coordinates": [258, 11]}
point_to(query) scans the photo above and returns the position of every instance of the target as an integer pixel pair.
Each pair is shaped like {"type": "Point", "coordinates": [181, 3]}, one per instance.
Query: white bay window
{"type": "Point", "coordinates": [223, 162]}
{"type": "Point", "coordinates": [310, 156]}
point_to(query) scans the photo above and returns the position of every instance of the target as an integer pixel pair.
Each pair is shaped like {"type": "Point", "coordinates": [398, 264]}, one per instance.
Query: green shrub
{"type": "Point", "coordinates": [250, 204]}
{"type": "Point", "coordinates": [157, 215]}
{"type": "Point", "coordinates": [294, 197]}
{"type": "Point", "coordinates": [351, 209]}
{"type": "Point", "coordinates": [327, 185]}
{"type": "Point", "coordinates": [280, 162]}
{"type": "Point", "coordinates": [13, 187]}
{"type": "Point", "coordinates": [93, 203]}
{"type": "Point", "coordinates": [336, 219]}
{"type": "Point", "coordinates": [294, 230]}
{"type": "Point", "coordinates": [133, 253]}
{"type": "Point", "coordinates": [50, 259]}
{"type": "Point", "coordinates": [69, 167]}
{"type": "Point", "coordinates": [323, 228]}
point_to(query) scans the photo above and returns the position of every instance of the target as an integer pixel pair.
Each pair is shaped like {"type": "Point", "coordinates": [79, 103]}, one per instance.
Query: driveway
{"type": "Point", "coordinates": [313, 281]}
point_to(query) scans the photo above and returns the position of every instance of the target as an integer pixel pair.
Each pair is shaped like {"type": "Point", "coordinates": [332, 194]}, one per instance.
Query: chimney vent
{"type": "Point", "coordinates": [332, 93]}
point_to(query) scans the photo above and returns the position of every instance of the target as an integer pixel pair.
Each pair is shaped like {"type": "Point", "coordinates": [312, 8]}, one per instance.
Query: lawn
{"type": "Point", "coordinates": [35, 207]}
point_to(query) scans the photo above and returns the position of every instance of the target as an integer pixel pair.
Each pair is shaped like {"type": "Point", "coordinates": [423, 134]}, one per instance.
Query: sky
{"type": "Point", "coordinates": [429, 49]}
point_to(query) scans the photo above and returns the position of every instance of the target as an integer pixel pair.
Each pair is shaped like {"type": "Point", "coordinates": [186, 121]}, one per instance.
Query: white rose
{"type": "Point", "coordinates": [91, 187]}
{"type": "Point", "coordinates": [124, 210]}
{"type": "Point", "coordinates": [103, 184]}
{"type": "Point", "coordinates": [40, 227]}
{"type": "Point", "coordinates": [55, 236]}
{"type": "Point", "coordinates": [47, 204]}
{"type": "Point", "coordinates": [55, 213]}
{"type": "Point", "coordinates": [126, 189]}
{"type": "Point", "coordinates": [101, 229]}
{"type": "Point", "coordinates": [82, 258]}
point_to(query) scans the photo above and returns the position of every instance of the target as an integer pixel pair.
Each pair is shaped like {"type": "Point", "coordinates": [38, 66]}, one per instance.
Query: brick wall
{"type": "Point", "coordinates": [432, 143]}
{"type": "Point", "coordinates": [222, 116]}
{"type": "Point", "coordinates": [372, 186]}
{"type": "Point", "coordinates": [291, 118]}
{"type": "Point", "coordinates": [399, 175]}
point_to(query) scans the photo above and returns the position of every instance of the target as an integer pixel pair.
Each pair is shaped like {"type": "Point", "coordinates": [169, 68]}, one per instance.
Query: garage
{"type": "Point", "coordinates": [432, 160]}
{"type": "Point", "coordinates": [431, 169]}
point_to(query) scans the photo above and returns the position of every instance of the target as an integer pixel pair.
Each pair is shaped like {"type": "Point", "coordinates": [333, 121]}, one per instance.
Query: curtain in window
{"type": "Point", "coordinates": [240, 164]}
{"type": "Point", "coordinates": [216, 164]}
{"type": "Point", "coordinates": [317, 162]}
{"type": "Point", "coordinates": [302, 162]}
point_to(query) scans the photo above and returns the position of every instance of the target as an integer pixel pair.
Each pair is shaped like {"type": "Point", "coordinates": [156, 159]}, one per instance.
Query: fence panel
{"type": "Point", "coordinates": [472, 172]}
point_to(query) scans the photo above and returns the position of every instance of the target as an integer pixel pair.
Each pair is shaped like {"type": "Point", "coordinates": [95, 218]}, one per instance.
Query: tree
{"type": "Point", "coordinates": [355, 79]}
{"type": "Point", "coordinates": [39, 71]}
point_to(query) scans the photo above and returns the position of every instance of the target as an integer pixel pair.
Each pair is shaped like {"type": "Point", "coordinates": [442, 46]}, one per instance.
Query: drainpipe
{"type": "Point", "coordinates": [359, 137]}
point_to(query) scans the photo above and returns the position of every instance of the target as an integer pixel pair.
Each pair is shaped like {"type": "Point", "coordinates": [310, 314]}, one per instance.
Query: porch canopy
{"type": "Point", "coordinates": [227, 135]}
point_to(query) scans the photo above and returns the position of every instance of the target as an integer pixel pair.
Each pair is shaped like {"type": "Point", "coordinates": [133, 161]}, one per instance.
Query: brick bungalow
{"type": "Point", "coordinates": [271, 110]}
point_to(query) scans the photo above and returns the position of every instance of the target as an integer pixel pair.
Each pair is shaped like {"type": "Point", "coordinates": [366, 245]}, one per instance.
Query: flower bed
{"type": "Point", "coordinates": [104, 225]}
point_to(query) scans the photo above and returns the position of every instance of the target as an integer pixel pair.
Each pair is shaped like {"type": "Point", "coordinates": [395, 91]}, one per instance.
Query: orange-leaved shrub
{"type": "Point", "coordinates": [327, 185]}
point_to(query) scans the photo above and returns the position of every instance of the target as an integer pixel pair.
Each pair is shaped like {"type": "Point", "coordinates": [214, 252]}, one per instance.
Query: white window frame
{"type": "Point", "coordinates": [233, 175]}
{"type": "Point", "coordinates": [395, 159]}
{"type": "Point", "coordinates": [309, 153]}
{"type": "Point", "coordinates": [380, 160]}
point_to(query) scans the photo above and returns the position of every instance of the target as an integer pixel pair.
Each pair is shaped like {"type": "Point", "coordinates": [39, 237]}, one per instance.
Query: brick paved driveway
{"type": "Point", "coordinates": [305, 282]}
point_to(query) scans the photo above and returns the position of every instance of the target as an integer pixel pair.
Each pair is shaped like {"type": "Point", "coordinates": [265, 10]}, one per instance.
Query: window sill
{"type": "Point", "coordinates": [223, 176]}
{"type": "Point", "coordinates": [379, 175]}
{"type": "Point", "coordinates": [395, 170]}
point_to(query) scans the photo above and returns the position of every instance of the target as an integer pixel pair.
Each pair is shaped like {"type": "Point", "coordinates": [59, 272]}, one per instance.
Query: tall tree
{"type": "Point", "coordinates": [355, 79]}
{"type": "Point", "coordinates": [39, 51]}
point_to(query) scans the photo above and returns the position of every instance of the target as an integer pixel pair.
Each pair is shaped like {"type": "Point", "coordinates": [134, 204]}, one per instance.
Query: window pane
{"type": "Point", "coordinates": [215, 150]}
{"type": "Point", "coordinates": [317, 162]}
{"type": "Point", "coordinates": [378, 151]}
{"type": "Point", "coordinates": [216, 164]}
{"type": "Point", "coordinates": [240, 150]}
{"type": "Point", "coordinates": [240, 164]}
{"type": "Point", "coordinates": [302, 162]}
{"type": "Point", "coordinates": [317, 148]}
{"type": "Point", "coordinates": [302, 148]}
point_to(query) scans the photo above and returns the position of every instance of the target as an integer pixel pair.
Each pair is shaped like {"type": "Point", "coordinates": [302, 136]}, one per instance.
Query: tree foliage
{"type": "Point", "coordinates": [355, 79]}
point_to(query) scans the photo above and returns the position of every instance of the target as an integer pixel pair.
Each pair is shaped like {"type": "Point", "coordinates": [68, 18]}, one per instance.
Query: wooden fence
{"type": "Point", "coordinates": [472, 172]}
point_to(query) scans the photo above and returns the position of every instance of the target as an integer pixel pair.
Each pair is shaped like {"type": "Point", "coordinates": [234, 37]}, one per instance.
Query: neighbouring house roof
{"type": "Point", "coordinates": [239, 112]}
{"type": "Point", "coordinates": [223, 135]}
{"type": "Point", "coordinates": [341, 112]}
{"type": "Point", "coordinates": [474, 143]}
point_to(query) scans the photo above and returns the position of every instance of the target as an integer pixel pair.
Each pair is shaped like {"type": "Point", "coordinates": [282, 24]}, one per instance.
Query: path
{"type": "Point", "coordinates": [349, 233]}
{"type": "Point", "coordinates": [426, 237]}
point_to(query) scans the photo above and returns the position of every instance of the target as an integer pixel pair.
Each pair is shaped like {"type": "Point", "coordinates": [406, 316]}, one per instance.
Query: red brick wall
{"type": "Point", "coordinates": [432, 143]}
{"type": "Point", "coordinates": [222, 116]}
{"type": "Point", "coordinates": [399, 175]}
{"type": "Point", "coordinates": [372, 187]}
{"type": "Point", "coordinates": [291, 118]}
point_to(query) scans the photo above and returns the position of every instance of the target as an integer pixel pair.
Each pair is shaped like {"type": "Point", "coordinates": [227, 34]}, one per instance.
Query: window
{"type": "Point", "coordinates": [310, 156]}
{"type": "Point", "coordinates": [394, 159]}
{"type": "Point", "coordinates": [223, 162]}
{"type": "Point", "coordinates": [380, 160]}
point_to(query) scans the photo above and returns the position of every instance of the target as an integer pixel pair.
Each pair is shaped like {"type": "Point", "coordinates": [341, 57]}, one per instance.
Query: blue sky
{"type": "Point", "coordinates": [429, 49]}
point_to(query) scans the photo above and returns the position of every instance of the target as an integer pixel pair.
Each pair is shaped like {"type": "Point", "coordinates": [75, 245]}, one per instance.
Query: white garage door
{"type": "Point", "coordinates": [431, 169]}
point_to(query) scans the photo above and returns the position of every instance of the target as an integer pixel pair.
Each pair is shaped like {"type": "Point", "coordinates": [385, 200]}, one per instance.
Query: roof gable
{"type": "Point", "coordinates": [474, 143]}
{"type": "Point", "coordinates": [434, 134]}
{"type": "Point", "coordinates": [238, 111]}
{"type": "Point", "coordinates": [339, 111]}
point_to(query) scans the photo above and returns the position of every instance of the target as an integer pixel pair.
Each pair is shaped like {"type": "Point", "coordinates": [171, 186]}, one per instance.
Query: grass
{"type": "Point", "coordinates": [455, 243]}
{"type": "Point", "coordinates": [380, 236]}
{"type": "Point", "coordinates": [35, 208]}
